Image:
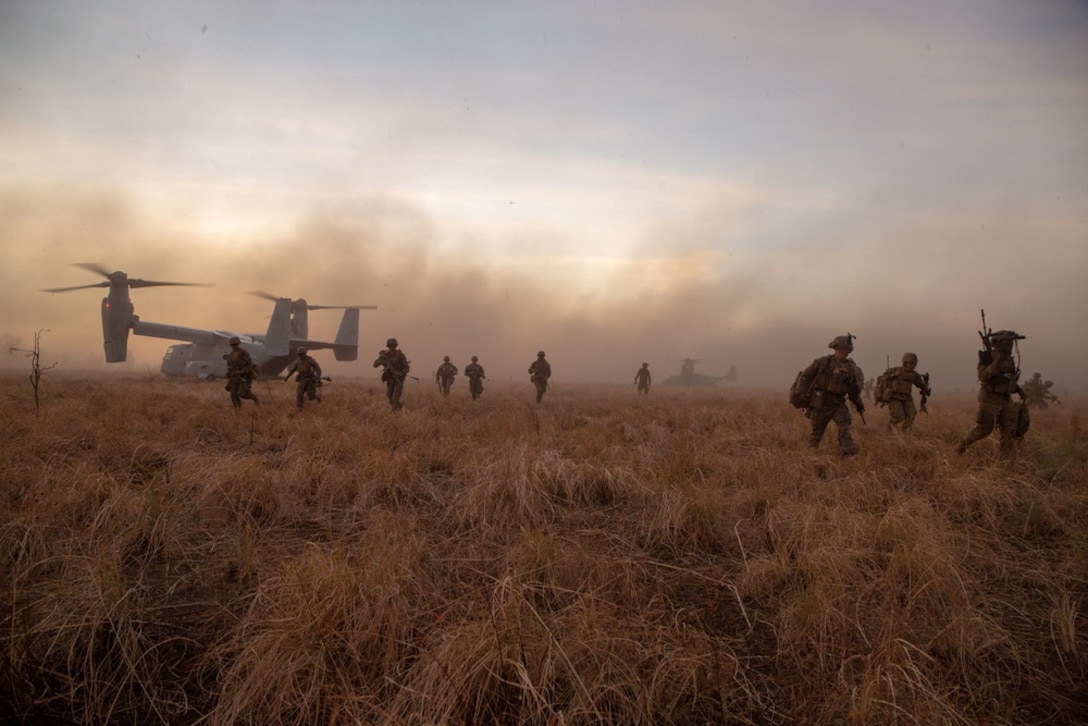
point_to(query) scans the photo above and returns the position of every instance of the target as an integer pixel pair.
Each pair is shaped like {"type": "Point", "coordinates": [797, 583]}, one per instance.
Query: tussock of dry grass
{"type": "Point", "coordinates": [599, 559]}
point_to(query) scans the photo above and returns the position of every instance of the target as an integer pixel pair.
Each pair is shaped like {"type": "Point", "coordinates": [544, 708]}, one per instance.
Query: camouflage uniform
{"type": "Point", "coordinates": [1037, 392]}
{"type": "Point", "coordinates": [998, 379]}
{"type": "Point", "coordinates": [475, 373]}
{"type": "Point", "coordinates": [240, 374]}
{"type": "Point", "coordinates": [899, 383]}
{"type": "Point", "coordinates": [642, 378]}
{"type": "Point", "coordinates": [309, 377]}
{"type": "Point", "coordinates": [830, 379]}
{"type": "Point", "coordinates": [1048, 396]}
{"type": "Point", "coordinates": [539, 373]}
{"type": "Point", "coordinates": [1033, 391]}
{"type": "Point", "coordinates": [395, 368]}
{"type": "Point", "coordinates": [445, 375]}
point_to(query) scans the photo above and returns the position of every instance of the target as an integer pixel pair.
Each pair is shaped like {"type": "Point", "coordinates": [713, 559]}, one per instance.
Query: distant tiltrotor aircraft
{"type": "Point", "coordinates": [688, 376]}
{"type": "Point", "coordinates": [202, 355]}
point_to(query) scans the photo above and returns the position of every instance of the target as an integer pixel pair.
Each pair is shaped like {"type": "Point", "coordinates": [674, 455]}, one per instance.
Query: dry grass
{"type": "Point", "coordinates": [602, 558]}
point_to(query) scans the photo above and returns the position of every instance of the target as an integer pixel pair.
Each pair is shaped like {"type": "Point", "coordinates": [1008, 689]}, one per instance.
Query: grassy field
{"type": "Point", "coordinates": [681, 559]}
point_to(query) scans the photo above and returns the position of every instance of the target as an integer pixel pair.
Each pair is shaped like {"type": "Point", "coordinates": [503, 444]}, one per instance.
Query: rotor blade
{"type": "Point", "coordinates": [341, 307]}
{"type": "Point", "coordinates": [94, 267]}
{"type": "Point", "coordinates": [156, 283]}
{"type": "Point", "coordinates": [265, 295]}
{"type": "Point", "coordinates": [296, 302]}
{"type": "Point", "coordinates": [77, 287]}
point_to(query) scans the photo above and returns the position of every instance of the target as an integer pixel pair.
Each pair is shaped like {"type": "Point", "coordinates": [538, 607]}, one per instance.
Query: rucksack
{"type": "Point", "coordinates": [801, 392]}
{"type": "Point", "coordinates": [882, 390]}
{"type": "Point", "coordinates": [1023, 420]}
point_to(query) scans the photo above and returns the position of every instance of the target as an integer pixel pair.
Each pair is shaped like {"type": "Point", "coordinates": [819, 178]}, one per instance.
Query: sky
{"type": "Point", "coordinates": [611, 182]}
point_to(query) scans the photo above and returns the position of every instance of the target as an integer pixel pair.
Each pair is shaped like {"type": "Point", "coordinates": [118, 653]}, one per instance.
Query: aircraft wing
{"type": "Point", "coordinates": [312, 345]}
{"type": "Point", "coordinates": [177, 332]}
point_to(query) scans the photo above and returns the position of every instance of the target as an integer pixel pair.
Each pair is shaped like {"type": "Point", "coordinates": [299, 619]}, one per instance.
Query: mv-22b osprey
{"type": "Point", "coordinates": [203, 355]}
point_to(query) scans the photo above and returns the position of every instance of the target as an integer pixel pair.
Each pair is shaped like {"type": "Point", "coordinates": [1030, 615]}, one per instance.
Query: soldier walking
{"type": "Point", "coordinates": [309, 377]}
{"type": "Point", "coordinates": [444, 375]}
{"type": "Point", "coordinates": [831, 380]}
{"type": "Point", "coordinates": [1037, 392]}
{"type": "Point", "coordinates": [395, 367]}
{"type": "Point", "coordinates": [642, 379]}
{"type": "Point", "coordinates": [240, 374]}
{"type": "Point", "coordinates": [475, 373]}
{"type": "Point", "coordinates": [539, 373]}
{"type": "Point", "coordinates": [999, 379]}
{"type": "Point", "coordinates": [895, 390]}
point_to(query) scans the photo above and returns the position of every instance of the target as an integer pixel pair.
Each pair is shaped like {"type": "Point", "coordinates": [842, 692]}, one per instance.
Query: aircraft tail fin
{"type": "Point", "coordinates": [277, 341]}
{"type": "Point", "coordinates": [347, 337]}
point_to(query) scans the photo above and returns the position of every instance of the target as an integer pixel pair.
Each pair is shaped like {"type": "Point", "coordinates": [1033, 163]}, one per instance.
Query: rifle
{"type": "Point", "coordinates": [853, 391]}
{"type": "Point", "coordinates": [854, 394]}
{"type": "Point", "coordinates": [926, 393]}
{"type": "Point", "coordinates": [985, 357]}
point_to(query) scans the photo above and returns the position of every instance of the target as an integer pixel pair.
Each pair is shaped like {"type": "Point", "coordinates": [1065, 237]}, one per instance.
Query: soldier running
{"type": "Point", "coordinates": [395, 367]}
{"type": "Point", "coordinates": [240, 374]}
{"type": "Point", "coordinates": [896, 391]}
{"type": "Point", "coordinates": [309, 377]}
{"type": "Point", "coordinates": [1037, 392]}
{"type": "Point", "coordinates": [999, 379]}
{"type": "Point", "coordinates": [831, 379]}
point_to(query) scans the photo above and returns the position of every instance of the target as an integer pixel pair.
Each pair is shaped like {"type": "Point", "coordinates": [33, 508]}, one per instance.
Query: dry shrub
{"type": "Point", "coordinates": [526, 485]}
{"type": "Point", "coordinates": [586, 662]}
{"type": "Point", "coordinates": [319, 638]}
{"type": "Point", "coordinates": [681, 558]}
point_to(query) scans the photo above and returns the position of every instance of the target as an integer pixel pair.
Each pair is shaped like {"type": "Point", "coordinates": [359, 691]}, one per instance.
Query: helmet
{"type": "Point", "coordinates": [540, 354]}
{"type": "Point", "coordinates": [474, 359]}
{"type": "Point", "coordinates": [645, 365]}
{"type": "Point", "coordinates": [843, 342]}
{"type": "Point", "coordinates": [446, 358]}
{"type": "Point", "coordinates": [235, 340]}
{"type": "Point", "coordinates": [1003, 340]}
{"type": "Point", "coordinates": [910, 358]}
{"type": "Point", "coordinates": [391, 341]}
{"type": "Point", "coordinates": [302, 350]}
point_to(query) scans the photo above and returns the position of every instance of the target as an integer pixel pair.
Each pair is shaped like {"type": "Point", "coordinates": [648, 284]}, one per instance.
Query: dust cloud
{"type": "Point", "coordinates": [692, 291]}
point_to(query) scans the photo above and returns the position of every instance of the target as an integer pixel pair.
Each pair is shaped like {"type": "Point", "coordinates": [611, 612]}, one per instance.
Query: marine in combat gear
{"type": "Point", "coordinates": [240, 374]}
{"type": "Point", "coordinates": [540, 371]}
{"type": "Point", "coordinates": [395, 367]}
{"type": "Point", "coordinates": [444, 375]}
{"type": "Point", "coordinates": [1037, 392]}
{"type": "Point", "coordinates": [643, 379]}
{"type": "Point", "coordinates": [829, 381]}
{"type": "Point", "coordinates": [476, 375]}
{"type": "Point", "coordinates": [309, 377]}
{"type": "Point", "coordinates": [999, 381]}
{"type": "Point", "coordinates": [895, 390]}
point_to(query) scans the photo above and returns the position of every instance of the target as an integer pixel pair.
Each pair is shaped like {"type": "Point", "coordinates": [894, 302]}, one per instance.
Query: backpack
{"type": "Point", "coordinates": [801, 391]}
{"type": "Point", "coordinates": [1023, 420]}
{"type": "Point", "coordinates": [882, 390]}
